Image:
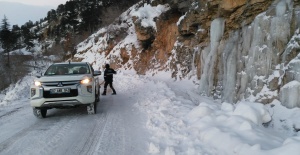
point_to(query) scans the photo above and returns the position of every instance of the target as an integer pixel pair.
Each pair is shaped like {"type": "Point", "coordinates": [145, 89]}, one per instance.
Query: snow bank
{"type": "Point", "coordinates": [17, 91]}
{"type": "Point", "coordinates": [182, 122]}
{"type": "Point", "coordinates": [238, 129]}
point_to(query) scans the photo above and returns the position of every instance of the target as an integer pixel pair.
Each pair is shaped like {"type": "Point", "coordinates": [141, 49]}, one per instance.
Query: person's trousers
{"type": "Point", "coordinates": [110, 85]}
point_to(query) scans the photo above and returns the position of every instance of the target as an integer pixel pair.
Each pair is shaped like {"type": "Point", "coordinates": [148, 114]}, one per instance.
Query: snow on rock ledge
{"type": "Point", "coordinates": [289, 94]}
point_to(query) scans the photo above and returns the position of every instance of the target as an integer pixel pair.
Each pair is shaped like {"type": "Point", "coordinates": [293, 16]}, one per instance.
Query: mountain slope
{"type": "Point", "coordinates": [234, 51]}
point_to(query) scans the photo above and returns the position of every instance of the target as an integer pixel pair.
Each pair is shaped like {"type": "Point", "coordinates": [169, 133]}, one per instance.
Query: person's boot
{"type": "Point", "coordinates": [104, 93]}
{"type": "Point", "coordinates": [114, 92]}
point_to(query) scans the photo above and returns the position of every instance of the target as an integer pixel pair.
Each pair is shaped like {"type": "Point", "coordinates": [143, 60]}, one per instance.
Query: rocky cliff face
{"type": "Point", "coordinates": [237, 49]}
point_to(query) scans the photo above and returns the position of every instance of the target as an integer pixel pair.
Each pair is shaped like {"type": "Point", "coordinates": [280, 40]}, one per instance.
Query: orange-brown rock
{"type": "Point", "coordinates": [230, 5]}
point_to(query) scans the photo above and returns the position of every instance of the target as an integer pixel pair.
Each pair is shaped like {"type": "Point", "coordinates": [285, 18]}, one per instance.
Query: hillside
{"type": "Point", "coordinates": [53, 37]}
{"type": "Point", "coordinates": [242, 50]}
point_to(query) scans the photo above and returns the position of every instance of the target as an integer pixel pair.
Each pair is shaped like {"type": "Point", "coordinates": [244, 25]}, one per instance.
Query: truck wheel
{"type": "Point", "coordinates": [40, 113]}
{"type": "Point", "coordinates": [97, 96]}
{"type": "Point", "coordinates": [91, 108]}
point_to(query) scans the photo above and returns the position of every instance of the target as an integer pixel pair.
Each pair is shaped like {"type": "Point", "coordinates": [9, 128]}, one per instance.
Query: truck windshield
{"type": "Point", "coordinates": [67, 69]}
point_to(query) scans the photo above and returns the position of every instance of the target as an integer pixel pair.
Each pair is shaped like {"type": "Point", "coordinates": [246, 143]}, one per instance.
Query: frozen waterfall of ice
{"type": "Point", "coordinates": [243, 63]}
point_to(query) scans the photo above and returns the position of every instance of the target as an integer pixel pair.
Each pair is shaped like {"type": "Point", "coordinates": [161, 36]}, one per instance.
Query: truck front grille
{"type": "Point", "coordinates": [63, 83]}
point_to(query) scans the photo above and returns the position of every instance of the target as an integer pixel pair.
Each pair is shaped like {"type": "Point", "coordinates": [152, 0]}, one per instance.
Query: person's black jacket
{"type": "Point", "coordinates": [108, 74]}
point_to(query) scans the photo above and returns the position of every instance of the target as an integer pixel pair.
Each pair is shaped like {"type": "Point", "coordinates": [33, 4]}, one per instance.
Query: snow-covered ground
{"type": "Point", "coordinates": [150, 115]}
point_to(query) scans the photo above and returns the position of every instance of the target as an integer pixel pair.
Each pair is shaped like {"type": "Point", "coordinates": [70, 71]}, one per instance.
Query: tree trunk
{"type": "Point", "coordinates": [8, 64]}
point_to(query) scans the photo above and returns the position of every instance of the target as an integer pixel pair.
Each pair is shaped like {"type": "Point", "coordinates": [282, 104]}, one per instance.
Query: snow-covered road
{"type": "Point", "coordinates": [149, 115]}
{"type": "Point", "coordinates": [116, 129]}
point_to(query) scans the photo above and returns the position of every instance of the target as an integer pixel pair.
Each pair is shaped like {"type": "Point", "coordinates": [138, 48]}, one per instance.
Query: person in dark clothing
{"type": "Point", "coordinates": [108, 78]}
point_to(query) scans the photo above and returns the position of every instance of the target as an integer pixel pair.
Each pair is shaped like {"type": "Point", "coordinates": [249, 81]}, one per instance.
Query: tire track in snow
{"type": "Point", "coordinates": [91, 141]}
{"type": "Point", "coordinates": [88, 139]}
{"type": "Point", "coordinates": [102, 145]}
{"type": "Point", "coordinates": [9, 115]}
{"type": "Point", "coordinates": [41, 135]}
{"type": "Point", "coordinates": [10, 141]}
{"type": "Point", "coordinates": [35, 137]}
{"type": "Point", "coordinates": [11, 118]}
{"type": "Point", "coordinates": [53, 143]}
{"type": "Point", "coordinates": [112, 138]}
{"type": "Point", "coordinates": [50, 141]}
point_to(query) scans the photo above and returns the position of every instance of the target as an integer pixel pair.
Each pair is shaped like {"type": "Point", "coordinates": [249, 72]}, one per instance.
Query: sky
{"type": "Point", "coordinates": [21, 11]}
{"type": "Point", "coordinates": [53, 3]}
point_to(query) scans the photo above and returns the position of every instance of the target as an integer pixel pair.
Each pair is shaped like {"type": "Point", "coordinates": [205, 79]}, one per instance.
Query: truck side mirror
{"type": "Point", "coordinates": [97, 73]}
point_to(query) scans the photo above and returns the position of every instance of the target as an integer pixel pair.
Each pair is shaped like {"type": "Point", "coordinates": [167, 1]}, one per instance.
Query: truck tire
{"type": "Point", "coordinates": [97, 95]}
{"type": "Point", "coordinates": [91, 108]}
{"type": "Point", "coordinates": [40, 113]}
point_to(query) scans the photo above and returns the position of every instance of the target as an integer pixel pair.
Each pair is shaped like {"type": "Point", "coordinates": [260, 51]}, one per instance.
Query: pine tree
{"type": "Point", "coordinates": [17, 37]}
{"type": "Point", "coordinates": [28, 37]}
{"type": "Point", "coordinates": [6, 37]}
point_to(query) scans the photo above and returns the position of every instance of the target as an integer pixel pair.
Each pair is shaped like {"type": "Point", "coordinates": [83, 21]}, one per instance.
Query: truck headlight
{"type": "Point", "coordinates": [85, 81]}
{"type": "Point", "coordinates": [37, 83]}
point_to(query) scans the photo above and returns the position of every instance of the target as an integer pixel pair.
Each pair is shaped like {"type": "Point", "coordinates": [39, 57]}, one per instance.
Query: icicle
{"type": "Point", "coordinates": [217, 29]}
{"type": "Point", "coordinates": [216, 33]}
{"type": "Point", "coordinates": [281, 8]}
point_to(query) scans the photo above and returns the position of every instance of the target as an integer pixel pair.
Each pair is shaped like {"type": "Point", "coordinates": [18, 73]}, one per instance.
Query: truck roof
{"type": "Point", "coordinates": [71, 63]}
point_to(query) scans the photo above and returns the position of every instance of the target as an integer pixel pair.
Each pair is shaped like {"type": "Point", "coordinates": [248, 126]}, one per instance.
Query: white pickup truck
{"type": "Point", "coordinates": [65, 85]}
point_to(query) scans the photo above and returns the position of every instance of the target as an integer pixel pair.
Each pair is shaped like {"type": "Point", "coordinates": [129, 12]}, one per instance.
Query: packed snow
{"type": "Point", "coordinates": [182, 122]}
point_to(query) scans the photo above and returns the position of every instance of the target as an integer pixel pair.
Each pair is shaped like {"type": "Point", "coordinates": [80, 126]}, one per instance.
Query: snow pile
{"type": "Point", "coordinates": [239, 131]}
{"type": "Point", "coordinates": [254, 112]}
{"type": "Point", "coordinates": [182, 122]}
